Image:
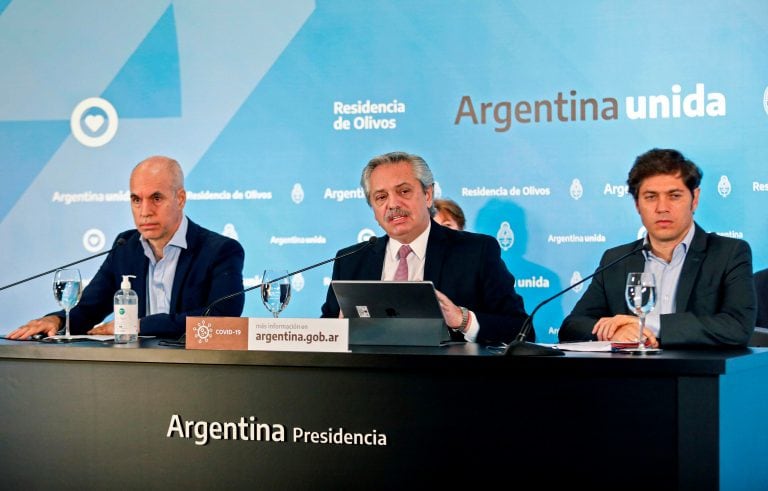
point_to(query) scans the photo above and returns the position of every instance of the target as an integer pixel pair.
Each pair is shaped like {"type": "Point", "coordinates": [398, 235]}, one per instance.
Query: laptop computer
{"type": "Point", "coordinates": [394, 313]}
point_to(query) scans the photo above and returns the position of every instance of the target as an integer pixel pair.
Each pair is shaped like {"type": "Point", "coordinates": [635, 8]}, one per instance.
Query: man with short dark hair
{"type": "Point", "coordinates": [704, 289]}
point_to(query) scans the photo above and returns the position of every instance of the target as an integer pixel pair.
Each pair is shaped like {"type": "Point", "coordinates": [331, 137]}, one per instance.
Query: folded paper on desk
{"type": "Point", "coordinates": [79, 337]}
{"type": "Point", "coordinates": [267, 334]}
{"type": "Point", "coordinates": [586, 346]}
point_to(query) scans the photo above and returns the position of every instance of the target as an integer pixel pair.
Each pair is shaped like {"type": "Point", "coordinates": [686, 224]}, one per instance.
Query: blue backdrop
{"type": "Point", "coordinates": [530, 114]}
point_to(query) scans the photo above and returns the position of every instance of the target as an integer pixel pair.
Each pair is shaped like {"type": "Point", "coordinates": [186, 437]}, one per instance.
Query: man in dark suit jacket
{"type": "Point", "coordinates": [475, 289]}
{"type": "Point", "coordinates": [180, 267]}
{"type": "Point", "coordinates": [761, 289]}
{"type": "Point", "coordinates": [705, 293]}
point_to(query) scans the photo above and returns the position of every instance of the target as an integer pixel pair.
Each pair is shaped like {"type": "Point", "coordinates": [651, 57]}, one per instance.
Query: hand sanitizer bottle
{"type": "Point", "coordinates": [126, 313]}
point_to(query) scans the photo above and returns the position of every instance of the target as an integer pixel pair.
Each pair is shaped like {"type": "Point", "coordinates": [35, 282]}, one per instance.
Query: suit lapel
{"type": "Point", "coordinates": [373, 260]}
{"type": "Point", "coordinates": [139, 284]}
{"type": "Point", "coordinates": [436, 251]}
{"type": "Point", "coordinates": [184, 264]}
{"type": "Point", "coordinates": [691, 266]}
{"type": "Point", "coordinates": [633, 264]}
{"type": "Point", "coordinates": [617, 275]}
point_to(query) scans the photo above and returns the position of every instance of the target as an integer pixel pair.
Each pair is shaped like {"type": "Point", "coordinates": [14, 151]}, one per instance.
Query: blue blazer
{"type": "Point", "coordinates": [465, 266]}
{"type": "Point", "coordinates": [210, 268]}
{"type": "Point", "coordinates": [715, 298]}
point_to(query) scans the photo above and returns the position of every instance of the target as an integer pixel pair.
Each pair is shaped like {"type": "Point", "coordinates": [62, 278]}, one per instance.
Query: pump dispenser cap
{"type": "Point", "coordinates": [126, 284]}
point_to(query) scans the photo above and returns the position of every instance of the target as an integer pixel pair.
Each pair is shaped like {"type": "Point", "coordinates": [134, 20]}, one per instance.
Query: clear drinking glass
{"type": "Point", "coordinates": [67, 288]}
{"type": "Point", "coordinates": [275, 290]}
{"type": "Point", "coordinates": [641, 299]}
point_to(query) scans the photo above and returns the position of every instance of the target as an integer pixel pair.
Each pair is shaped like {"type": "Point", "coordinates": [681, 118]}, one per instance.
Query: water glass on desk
{"type": "Point", "coordinates": [67, 288]}
{"type": "Point", "coordinates": [275, 290]}
{"type": "Point", "coordinates": [640, 294]}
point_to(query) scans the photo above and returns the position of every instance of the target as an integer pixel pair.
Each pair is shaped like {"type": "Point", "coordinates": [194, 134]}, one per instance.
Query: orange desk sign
{"type": "Point", "coordinates": [267, 334]}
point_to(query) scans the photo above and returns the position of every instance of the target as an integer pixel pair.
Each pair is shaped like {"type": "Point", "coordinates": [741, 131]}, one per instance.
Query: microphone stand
{"type": "Point", "coordinates": [118, 243]}
{"type": "Point", "coordinates": [521, 347]}
{"type": "Point", "coordinates": [181, 342]}
{"type": "Point", "coordinates": [369, 243]}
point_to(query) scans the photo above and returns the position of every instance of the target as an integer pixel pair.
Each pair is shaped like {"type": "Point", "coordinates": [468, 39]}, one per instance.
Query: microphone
{"type": "Point", "coordinates": [520, 347]}
{"type": "Point", "coordinates": [371, 241]}
{"type": "Point", "coordinates": [118, 243]}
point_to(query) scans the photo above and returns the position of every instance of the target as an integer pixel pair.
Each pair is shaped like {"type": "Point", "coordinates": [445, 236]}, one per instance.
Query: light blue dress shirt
{"type": "Point", "coordinates": [161, 273]}
{"type": "Point", "coordinates": [667, 277]}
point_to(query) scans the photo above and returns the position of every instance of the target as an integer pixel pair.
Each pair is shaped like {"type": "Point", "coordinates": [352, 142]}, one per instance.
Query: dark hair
{"type": "Point", "coordinates": [453, 209]}
{"type": "Point", "coordinates": [420, 169]}
{"type": "Point", "coordinates": [658, 161]}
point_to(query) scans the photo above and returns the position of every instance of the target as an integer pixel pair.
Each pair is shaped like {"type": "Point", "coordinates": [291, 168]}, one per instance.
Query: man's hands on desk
{"type": "Point", "coordinates": [623, 329]}
{"type": "Point", "coordinates": [50, 326]}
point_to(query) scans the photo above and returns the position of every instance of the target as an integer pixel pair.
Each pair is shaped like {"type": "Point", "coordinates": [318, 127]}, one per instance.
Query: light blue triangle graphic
{"type": "Point", "coordinates": [25, 149]}
{"type": "Point", "coordinates": [148, 85]}
{"type": "Point", "coordinates": [3, 5]}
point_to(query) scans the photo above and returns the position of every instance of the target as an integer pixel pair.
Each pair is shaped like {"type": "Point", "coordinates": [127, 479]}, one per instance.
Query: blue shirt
{"type": "Point", "coordinates": [161, 273]}
{"type": "Point", "coordinates": [667, 277]}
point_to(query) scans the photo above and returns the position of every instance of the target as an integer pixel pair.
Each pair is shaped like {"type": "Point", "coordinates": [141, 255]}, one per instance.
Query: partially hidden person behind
{"type": "Point", "coordinates": [180, 267]}
{"type": "Point", "coordinates": [449, 214]}
{"type": "Point", "coordinates": [475, 289]}
{"type": "Point", "coordinates": [704, 287]}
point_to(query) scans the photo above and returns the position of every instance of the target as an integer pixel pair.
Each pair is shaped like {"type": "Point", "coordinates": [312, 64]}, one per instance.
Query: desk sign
{"type": "Point", "coordinates": [267, 334]}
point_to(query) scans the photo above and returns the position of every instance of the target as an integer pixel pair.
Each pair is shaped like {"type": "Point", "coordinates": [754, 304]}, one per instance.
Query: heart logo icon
{"type": "Point", "coordinates": [94, 122]}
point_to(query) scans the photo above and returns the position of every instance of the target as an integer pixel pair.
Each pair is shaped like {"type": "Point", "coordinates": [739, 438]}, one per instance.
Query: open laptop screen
{"type": "Point", "coordinates": [387, 299]}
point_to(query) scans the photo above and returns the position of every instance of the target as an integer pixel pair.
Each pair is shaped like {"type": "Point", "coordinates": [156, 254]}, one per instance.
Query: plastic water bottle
{"type": "Point", "coordinates": [126, 313]}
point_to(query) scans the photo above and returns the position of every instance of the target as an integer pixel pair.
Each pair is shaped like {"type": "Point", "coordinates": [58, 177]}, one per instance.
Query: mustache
{"type": "Point", "coordinates": [397, 212]}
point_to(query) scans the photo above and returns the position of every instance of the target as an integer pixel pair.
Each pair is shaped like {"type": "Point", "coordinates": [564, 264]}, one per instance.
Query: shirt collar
{"type": "Point", "coordinates": [418, 246]}
{"type": "Point", "coordinates": [684, 244]}
{"type": "Point", "coordinates": [179, 238]}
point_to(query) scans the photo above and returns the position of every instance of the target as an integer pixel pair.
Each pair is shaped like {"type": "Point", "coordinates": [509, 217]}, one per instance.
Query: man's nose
{"type": "Point", "coordinates": [145, 209]}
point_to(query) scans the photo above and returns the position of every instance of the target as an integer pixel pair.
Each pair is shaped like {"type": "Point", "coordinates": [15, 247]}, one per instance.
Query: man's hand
{"type": "Point", "coordinates": [451, 312]}
{"type": "Point", "coordinates": [623, 328]}
{"type": "Point", "coordinates": [100, 329]}
{"type": "Point", "coordinates": [607, 327]}
{"type": "Point", "coordinates": [48, 325]}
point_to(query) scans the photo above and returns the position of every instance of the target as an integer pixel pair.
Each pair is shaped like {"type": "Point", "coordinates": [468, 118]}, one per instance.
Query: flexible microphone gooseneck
{"type": "Point", "coordinates": [119, 242]}
{"type": "Point", "coordinates": [366, 245]}
{"type": "Point", "coordinates": [520, 347]}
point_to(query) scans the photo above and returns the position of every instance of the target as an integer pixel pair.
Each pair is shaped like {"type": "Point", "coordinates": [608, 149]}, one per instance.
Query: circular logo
{"type": "Point", "coordinates": [365, 234]}
{"type": "Point", "coordinates": [203, 331]}
{"type": "Point", "coordinates": [94, 240]}
{"type": "Point", "coordinates": [94, 122]}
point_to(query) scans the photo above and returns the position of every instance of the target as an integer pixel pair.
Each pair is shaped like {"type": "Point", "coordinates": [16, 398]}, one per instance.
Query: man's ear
{"type": "Point", "coordinates": [181, 195]}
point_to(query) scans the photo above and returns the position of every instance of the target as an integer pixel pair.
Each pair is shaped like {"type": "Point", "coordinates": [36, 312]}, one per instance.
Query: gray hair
{"type": "Point", "coordinates": [420, 168]}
